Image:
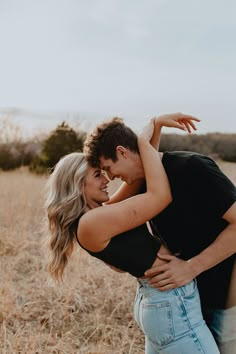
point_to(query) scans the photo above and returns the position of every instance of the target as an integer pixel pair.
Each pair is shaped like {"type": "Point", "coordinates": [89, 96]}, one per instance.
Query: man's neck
{"type": "Point", "coordinates": [141, 170]}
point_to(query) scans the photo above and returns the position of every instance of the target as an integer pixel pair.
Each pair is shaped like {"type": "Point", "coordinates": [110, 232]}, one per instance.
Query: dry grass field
{"type": "Point", "coordinates": [90, 313]}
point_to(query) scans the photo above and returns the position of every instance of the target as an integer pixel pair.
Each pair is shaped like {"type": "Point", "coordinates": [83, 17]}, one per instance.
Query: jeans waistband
{"type": "Point", "coordinates": [145, 288]}
{"type": "Point", "coordinates": [143, 282]}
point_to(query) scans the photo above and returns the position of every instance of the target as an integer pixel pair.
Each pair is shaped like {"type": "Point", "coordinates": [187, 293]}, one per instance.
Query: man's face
{"type": "Point", "coordinates": [126, 167]}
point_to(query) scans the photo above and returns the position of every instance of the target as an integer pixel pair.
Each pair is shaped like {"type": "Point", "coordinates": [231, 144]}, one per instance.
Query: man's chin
{"type": "Point", "coordinates": [128, 181]}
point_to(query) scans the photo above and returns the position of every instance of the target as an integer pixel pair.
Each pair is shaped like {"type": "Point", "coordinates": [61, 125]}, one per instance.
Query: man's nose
{"type": "Point", "coordinates": [110, 175]}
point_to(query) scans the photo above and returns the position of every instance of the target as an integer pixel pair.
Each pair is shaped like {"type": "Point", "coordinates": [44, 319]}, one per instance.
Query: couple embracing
{"type": "Point", "coordinates": [171, 224]}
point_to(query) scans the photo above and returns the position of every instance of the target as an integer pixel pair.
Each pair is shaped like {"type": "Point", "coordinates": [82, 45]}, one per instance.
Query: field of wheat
{"type": "Point", "coordinates": [90, 313]}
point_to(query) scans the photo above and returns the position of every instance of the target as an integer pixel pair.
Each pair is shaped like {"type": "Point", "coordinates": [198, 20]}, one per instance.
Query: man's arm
{"type": "Point", "coordinates": [231, 298]}
{"type": "Point", "coordinates": [178, 272]}
{"type": "Point", "coordinates": [223, 247]}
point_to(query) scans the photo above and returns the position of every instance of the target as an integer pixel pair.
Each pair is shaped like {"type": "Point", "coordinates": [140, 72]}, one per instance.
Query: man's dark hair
{"type": "Point", "coordinates": [106, 137]}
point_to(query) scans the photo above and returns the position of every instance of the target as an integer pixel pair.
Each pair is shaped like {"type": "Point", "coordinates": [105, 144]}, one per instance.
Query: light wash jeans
{"type": "Point", "coordinates": [172, 320]}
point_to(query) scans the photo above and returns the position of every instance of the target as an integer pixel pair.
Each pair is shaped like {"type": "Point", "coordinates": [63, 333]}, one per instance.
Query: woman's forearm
{"type": "Point", "coordinates": [156, 138]}
{"type": "Point", "coordinates": [156, 179]}
{"type": "Point", "coordinates": [126, 191]}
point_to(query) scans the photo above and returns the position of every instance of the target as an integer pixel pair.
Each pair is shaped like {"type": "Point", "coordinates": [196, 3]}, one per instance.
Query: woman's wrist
{"type": "Point", "coordinates": [142, 140]}
{"type": "Point", "coordinates": [159, 122]}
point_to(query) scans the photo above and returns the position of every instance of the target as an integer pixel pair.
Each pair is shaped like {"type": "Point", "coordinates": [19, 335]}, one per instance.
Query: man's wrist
{"type": "Point", "coordinates": [196, 265]}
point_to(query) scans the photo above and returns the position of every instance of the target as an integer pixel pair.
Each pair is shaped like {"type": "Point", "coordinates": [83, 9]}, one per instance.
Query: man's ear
{"type": "Point", "coordinates": [121, 150]}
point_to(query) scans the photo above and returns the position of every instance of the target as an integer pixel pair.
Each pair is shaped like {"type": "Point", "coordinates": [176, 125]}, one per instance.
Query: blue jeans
{"type": "Point", "coordinates": [172, 320]}
{"type": "Point", "coordinates": [222, 324]}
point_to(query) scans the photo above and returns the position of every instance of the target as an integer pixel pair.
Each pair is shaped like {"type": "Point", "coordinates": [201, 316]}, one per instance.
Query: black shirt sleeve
{"type": "Point", "coordinates": [212, 184]}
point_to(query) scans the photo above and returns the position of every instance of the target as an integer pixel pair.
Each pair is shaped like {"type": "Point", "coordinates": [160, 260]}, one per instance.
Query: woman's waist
{"type": "Point", "coordinates": [158, 262]}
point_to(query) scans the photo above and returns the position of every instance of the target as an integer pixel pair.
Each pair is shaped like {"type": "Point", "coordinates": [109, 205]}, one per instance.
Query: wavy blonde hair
{"type": "Point", "coordinates": [65, 203]}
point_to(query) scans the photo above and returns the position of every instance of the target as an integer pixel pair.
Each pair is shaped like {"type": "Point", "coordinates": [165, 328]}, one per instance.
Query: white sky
{"type": "Point", "coordinates": [132, 58]}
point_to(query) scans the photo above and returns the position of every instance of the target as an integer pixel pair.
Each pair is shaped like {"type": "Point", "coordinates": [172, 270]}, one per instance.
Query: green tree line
{"type": "Point", "coordinates": [42, 155]}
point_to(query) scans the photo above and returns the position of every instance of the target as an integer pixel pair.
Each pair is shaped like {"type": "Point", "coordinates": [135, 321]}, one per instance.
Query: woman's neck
{"type": "Point", "coordinates": [92, 205]}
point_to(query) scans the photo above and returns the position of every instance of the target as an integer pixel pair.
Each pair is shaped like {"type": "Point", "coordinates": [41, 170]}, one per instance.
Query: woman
{"type": "Point", "coordinates": [171, 320]}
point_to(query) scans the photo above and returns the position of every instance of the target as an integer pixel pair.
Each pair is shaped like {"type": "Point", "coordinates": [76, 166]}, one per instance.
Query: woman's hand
{"type": "Point", "coordinates": [177, 120]}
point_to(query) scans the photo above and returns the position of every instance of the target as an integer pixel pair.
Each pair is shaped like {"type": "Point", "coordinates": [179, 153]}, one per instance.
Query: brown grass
{"type": "Point", "coordinates": [91, 312]}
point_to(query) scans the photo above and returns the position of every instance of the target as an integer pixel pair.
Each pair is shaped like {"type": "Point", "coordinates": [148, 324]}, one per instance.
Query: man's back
{"type": "Point", "coordinates": [201, 196]}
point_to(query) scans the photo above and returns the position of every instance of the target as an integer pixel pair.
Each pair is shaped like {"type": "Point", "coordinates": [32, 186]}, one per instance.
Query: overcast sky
{"type": "Point", "coordinates": [132, 58]}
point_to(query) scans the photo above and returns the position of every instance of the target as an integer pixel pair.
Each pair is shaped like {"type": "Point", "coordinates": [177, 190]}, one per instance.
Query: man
{"type": "Point", "coordinates": [199, 226]}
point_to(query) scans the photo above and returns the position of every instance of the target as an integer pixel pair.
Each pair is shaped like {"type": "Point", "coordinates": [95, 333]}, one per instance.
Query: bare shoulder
{"type": "Point", "coordinates": [107, 221]}
{"type": "Point", "coordinates": [97, 227]}
{"type": "Point", "coordinates": [104, 218]}
{"type": "Point", "coordinates": [89, 220]}
{"type": "Point", "coordinates": [89, 234]}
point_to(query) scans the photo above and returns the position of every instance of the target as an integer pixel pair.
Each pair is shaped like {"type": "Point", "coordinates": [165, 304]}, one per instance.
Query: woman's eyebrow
{"type": "Point", "coordinates": [96, 171]}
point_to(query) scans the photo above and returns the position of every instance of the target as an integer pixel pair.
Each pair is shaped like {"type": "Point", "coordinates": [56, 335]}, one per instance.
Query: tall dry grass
{"type": "Point", "coordinates": [91, 312]}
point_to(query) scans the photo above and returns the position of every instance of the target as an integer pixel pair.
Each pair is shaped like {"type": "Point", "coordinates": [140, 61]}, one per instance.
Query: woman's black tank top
{"type": "Point", "coordinates": [133, 251]}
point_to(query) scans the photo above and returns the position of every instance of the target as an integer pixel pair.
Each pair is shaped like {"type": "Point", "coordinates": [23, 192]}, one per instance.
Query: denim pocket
{"type": "Point", "coordinates": [157, 322]}
{"type": "Point", "coordinates": [189, 290]}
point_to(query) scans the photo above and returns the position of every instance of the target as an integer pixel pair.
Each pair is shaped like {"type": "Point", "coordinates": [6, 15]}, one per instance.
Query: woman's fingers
{"type": "Point", "coordinates": [178, 124]}
{"type": "Point", "coordinates": [188, 126]}
{"type": "Point", "coordinates": [189, 117]}
{"type": "Point", "coordinates": [178, 120]}
{"type": "Point", "coordinates": [189, 122]}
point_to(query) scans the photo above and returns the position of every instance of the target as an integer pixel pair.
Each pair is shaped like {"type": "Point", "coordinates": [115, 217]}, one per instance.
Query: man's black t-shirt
{"type": "Point", "coordinates": [201, 195]}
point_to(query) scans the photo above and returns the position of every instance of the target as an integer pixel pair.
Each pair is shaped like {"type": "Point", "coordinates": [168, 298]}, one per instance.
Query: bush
{"type": "Point", "coordinates": [7, 159]}
{"type": "Point", "coordinates": [222, 145]}
{"type": "Point", "coordinates": [63, 140]}
{"type": "Point", "coordinates": [227, 149]}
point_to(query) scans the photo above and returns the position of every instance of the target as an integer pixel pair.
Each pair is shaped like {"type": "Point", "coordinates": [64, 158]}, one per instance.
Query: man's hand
{"type": "Point", "coordinates": [176, 272]}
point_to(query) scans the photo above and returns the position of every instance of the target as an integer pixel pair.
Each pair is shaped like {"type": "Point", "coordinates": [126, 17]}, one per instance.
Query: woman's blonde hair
{"type": "Point", "coordinates": [65, 204]}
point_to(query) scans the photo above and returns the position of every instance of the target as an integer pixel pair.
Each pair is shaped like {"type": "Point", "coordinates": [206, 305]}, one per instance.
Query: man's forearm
{"type": "Point", "coordinates": [223, 247]}
{"type": "Point", "coordinates": [177, 272]}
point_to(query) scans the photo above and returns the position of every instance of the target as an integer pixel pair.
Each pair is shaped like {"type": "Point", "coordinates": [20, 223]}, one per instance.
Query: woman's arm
{"type": "Point", "coordinates": [125, 191]}
{"type": "Point", "coordinates": [173, 120]}
{"type": "Point", "coordinates": [99, 225]}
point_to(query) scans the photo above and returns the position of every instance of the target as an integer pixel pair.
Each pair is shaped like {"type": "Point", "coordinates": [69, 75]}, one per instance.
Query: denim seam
{"type": "Point", "coordinates": [139, 317]}
{"type": "Point", "coordinates": [189, 323]}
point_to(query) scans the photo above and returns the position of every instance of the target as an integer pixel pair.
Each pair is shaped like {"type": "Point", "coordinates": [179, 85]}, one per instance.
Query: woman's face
{"type": "Point", "coordinates": [95, 187]}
